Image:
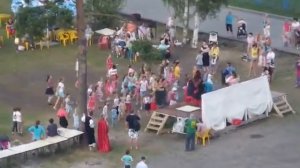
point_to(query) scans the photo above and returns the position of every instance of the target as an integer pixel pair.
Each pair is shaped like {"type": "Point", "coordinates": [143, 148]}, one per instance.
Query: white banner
{"type": "Point", "coordinates": [249, 98]}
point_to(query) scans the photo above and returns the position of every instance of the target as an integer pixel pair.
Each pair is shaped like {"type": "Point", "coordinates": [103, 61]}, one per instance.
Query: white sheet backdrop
{"type": "Point", "coordinates": [251, 97]}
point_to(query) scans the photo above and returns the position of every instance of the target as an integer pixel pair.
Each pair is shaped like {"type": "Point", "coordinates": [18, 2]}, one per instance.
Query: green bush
{"type": "Point", "coordinates": [147, 52]}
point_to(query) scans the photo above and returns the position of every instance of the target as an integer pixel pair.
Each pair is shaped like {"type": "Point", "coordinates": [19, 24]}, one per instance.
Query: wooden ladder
{"type": "Point", "coordinates": [157, 122]}
{"type": "Point", "coordinates": [282, 106]}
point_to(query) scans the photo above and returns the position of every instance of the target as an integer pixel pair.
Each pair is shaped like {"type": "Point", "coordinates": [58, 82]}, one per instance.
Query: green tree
{"type": "Point", "coordinates": [102, 13]}
{"type": "Point", "coordinates": [33, 21]}
{"type": "Point", "coordinates": [199, 9]}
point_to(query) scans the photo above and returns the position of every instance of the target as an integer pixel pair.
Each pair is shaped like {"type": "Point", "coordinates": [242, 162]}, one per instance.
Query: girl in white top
{"type": "Point", "coordinates": [60, 89]}
{"type": "Point", "coordinates": [75, 119]}
{"type": "Point", "coordinates": [105, 111]}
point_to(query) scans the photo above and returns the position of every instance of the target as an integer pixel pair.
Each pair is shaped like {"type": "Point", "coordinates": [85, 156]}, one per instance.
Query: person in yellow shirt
{"type": "Point", "coordinates": [255, 51]}
{"type": "Point", "coordinates": [177, 70]}
{"type": "Point", "coordinates": [214, 54]}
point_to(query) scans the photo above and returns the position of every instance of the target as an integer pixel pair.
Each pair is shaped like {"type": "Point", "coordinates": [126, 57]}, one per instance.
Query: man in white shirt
{"type": "Point", "coordinates": [17, 121]}
{"type": "Point", "coordinates": [142, 164]}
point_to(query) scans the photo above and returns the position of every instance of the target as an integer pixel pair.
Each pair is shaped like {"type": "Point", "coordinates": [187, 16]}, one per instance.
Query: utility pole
{"type": "Point", "coordinates": [82, 59]}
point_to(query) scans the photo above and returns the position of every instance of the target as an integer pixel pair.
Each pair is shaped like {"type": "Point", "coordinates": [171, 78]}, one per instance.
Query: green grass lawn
{"type": "Point", "coordinates": [291, 8]}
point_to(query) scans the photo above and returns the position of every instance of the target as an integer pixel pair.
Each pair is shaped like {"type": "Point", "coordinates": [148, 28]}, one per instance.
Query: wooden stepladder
{"type": "Point", "coordinates": [281, 105]}
{"type": "Point", "coordinates": [157, 122]}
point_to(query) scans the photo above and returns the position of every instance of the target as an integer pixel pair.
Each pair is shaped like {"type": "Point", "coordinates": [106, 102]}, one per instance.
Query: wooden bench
{"type": "Point", "coordinates": [65, 135]}
{"type": "Point", "coordinates": [70, 134]}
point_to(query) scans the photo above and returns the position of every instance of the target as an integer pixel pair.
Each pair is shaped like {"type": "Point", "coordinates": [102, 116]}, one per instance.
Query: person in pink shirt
{"type": "Point", "coordinates": [232, 79]}
{"type": "Point", "coordinates": [287, 28]}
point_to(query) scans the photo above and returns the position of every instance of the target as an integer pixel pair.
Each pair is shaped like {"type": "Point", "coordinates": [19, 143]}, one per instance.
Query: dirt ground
{"type": "Point", "coordinates": [276, 145]}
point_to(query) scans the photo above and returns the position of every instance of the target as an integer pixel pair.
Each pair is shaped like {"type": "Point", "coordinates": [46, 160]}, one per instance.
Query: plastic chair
{"type": "Point", "coordinates": [205, 135]}
{"type": "Point", "coordinates": [63, 38]}
{"type": "Point", "coordinates": [73, 36]}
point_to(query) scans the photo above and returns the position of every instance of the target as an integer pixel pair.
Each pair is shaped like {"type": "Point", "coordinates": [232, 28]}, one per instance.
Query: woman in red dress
{"type": "Point", "coordinates": [103, 140]}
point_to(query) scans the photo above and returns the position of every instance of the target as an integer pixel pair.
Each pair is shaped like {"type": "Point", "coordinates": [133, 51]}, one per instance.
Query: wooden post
{"type": "Point", "coordinates": [82, 59]}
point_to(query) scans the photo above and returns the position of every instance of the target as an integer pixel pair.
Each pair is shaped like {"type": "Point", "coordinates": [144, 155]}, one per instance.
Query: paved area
{"type": "Point", "coordinates": [268, 144]}
{"type": "Point", "coordinates": [157, 11]}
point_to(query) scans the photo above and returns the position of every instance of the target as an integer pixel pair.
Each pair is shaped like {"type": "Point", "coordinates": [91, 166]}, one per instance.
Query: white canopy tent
{"type": "Point", "coordinates": [246, 99]}
{"type": "Point", "coordinates": [106, 32]}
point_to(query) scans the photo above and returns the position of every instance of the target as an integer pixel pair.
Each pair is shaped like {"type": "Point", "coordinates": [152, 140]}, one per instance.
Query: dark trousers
{"type": "Point", "coordinates": [15, 126]}
{"type": "Point", "coordinates": [190, 142]}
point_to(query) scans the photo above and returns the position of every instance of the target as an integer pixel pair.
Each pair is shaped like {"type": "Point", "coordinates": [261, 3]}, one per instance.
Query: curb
{"type": "Point", "coordinates": [258, 12]}
{"type": "Point", "coordinates": [289, 51]}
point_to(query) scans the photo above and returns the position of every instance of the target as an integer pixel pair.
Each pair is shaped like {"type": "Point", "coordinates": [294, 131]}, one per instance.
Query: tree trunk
{"type": "Point", "coordinates": [196, 31]}
{"type": "Point", "coordinates": [82, 77]}
{"type": "Point", "coordinates": [185, 21]}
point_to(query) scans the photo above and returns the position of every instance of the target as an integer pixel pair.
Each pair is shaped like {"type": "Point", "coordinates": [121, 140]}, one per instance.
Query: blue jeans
{"type": "Point", "coordinates": [190, 142]}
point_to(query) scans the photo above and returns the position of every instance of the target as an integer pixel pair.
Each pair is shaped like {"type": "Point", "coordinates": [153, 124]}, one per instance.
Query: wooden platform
{"type": "Point", "coordinates": [173, 112]}
{"type": "Point", "coordinates": [281, 104]}
{"type": "Point", "coordinates": [159, 117]}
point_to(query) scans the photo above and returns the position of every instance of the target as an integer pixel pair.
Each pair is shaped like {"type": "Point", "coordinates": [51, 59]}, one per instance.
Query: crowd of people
{"type": "Point", "coordinates": [142, 90]}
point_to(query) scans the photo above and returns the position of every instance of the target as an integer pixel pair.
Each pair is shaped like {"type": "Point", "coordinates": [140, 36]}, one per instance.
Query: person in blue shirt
{"type": "Point", "coordinates": [227, 72]}
{"type": "Point", "coordinates": [229, 22]}
{"type": "Point", "coordinates": [208, 85]}
{"type": "Point", "coordinates": [127, 159]}
{"type": "Point", "coordinates": [37, 131]}
{"type": "Point", "coordinates": [114, 116]}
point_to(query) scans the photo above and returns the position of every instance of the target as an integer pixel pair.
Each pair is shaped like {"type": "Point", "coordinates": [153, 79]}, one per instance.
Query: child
{"type": "Point", "coordinates": [91, 106]}
{"type": "Point", "coordinates": [122, 107]}
{"type": "Point", "coordinates": [116, 103]}
{"type": "Point", "coordinates": [136, 57]}
{"type": "Point", "coordinates": [99, 91]}
{"type": "Point", "coordinates": [285, 40]}
{"type": "Point", "coordinates": [153, 105]}
{"type": "Point", "coordinates": [108, 88]}
{"type": "Point", "coordinates": [128, 104]}
{"type": "Point", "coordinates": [127, 159]}
{"type": "Point", "coordinates": [75, 119]}
{"type": "Point", "coordinates": [90, 90]}
{"type": "Point", "coordinates": [147, 104]}
{"type": "Point", "coordinates": [173, 96]}
{"type": "Point", "coordinates": [266, 73]}
{"type": "Point", "coordinates": [114, 116]}
{"type": "Point", "coordinates": [68, 103]}
{"type": "Point", "coordinates": [105, 111]}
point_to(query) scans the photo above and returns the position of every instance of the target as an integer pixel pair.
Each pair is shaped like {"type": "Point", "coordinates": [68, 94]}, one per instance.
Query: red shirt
{"type": "Point", "coordinates": [287, 27]}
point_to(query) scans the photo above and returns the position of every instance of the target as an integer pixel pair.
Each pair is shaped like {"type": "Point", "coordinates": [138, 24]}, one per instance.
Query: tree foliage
{"type": "Point", "coordinates": [101, 12]}
{"type": "Point", "coordinates": [31, 21]}
{"type": "Point", "coordinates": [205, 8]}
{"type": "Point", "coordinates": [147, 52]}
{"type": "Point", "coordinates": [34, 20]}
